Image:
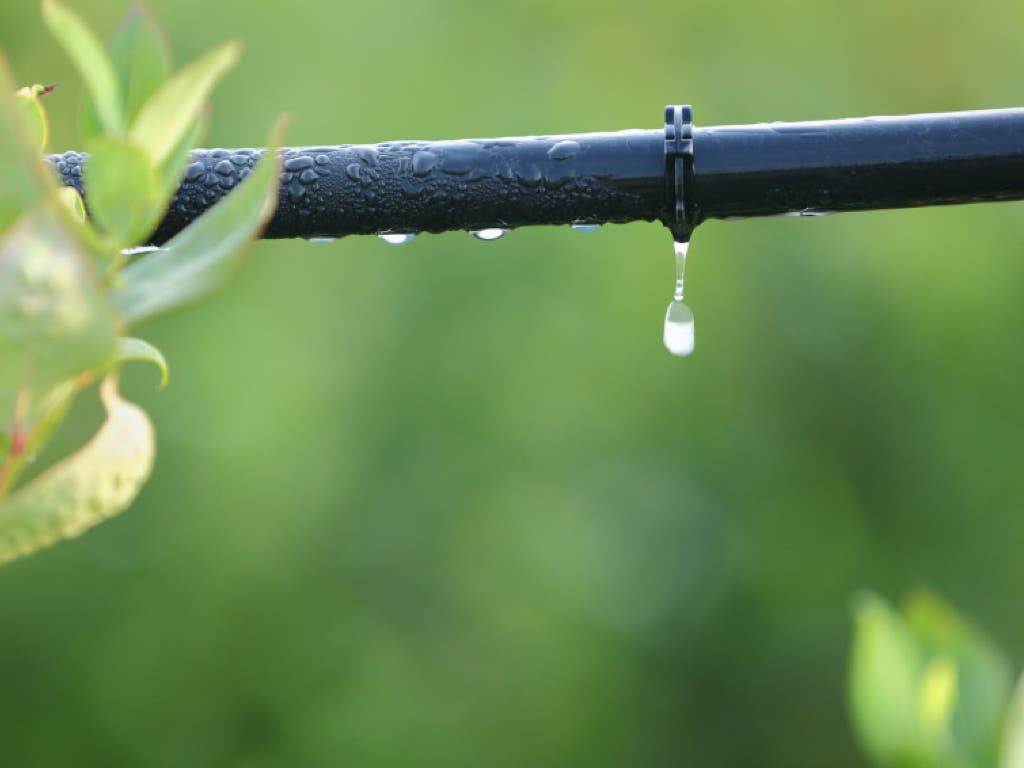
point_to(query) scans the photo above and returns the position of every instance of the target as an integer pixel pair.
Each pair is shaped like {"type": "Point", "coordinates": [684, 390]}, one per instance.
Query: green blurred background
{"type": "Point", "coordinates": [453, 504]}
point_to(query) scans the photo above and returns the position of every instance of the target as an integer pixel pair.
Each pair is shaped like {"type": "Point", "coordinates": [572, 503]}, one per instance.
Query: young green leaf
{"type": "Point", "coordinates": [55, 323]}
{"type": "Point", "coordinates": [885, 665]}
{"type": "Point", "coordinates": [98, 481]}
{"type": "Point", "coordinates": [173, 168]}
{"type": "Point", "coordinates": [137, 349]}
{"type": "Point", "coordinates": [1012, 751]}
{"type": "Point", "coordinates": [140, 56]}
{"type": "Point", "coordinates": [983, 674]}
{"type": "Point", "coordinates": [141, 59]}
{"type": "Point", "coordinates": [123, 190]}
{"type": "Point", "coordinates": [170, 112]}
{"type": "Point", "coordinates": [201, 258]}
{"type": "Point", "coordinates": [22, 181]}
{"type": "Point", "coordinates": [91, 61]}
{"type": "Point", "coordinates": [72, 202]}
{"type": "Point", "coordinates": [33, 114]}
{"type": "Point", "coordinates": [936, 698]}
{"type": "Point", "coordinates": [52, 408]}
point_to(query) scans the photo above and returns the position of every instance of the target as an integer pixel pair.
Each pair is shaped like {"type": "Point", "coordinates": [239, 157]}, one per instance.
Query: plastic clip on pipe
{"type": "Point", "coordinates": [679, 167]}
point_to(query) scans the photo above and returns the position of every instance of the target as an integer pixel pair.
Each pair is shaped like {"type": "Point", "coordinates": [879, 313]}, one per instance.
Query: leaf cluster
{"type": "Point", "coordinates": [927, 689]}
{"type": "Point", "coordinates": [70, 289]}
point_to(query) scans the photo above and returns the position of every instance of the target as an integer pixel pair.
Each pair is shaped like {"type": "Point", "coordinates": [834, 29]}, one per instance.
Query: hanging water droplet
{"type": "Point", "coordinates": [585, 227]}
{"type": "Point", "coordinates": [140, 249]}
{"type": "Point", "coordinates": [322, 240]}
{"type": "Point", "coordinates": [492, 233]}
{"type": "Point", "coordinates": [679, 336]}
{"type": "Point", "coordinates": [679, 328]}
{"type": "Point", "coordinates": [397, 238]}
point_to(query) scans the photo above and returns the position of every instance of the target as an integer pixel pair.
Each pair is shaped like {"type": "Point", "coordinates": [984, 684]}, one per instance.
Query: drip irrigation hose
{"type": "Point", "coordinates": [681, 175]}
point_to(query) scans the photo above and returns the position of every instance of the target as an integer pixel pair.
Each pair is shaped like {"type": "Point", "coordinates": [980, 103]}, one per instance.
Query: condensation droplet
{"type": "Point", "coordinates": [397, 238]}
{"type": "Point", "coordinates": [491, 233]}
{"type": "Point", "coordinates": [585, 227]}
{"type": "Point", "coordinates": [322, 240]}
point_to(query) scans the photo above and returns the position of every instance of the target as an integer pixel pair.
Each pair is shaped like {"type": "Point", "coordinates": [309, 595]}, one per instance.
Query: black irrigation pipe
{"type": "Point", "coordinates": [680, 175]}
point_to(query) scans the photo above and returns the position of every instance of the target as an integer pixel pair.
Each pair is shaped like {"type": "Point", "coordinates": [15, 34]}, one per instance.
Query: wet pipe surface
{"type": "Point", "coordinates": [412, 186]}
{"type": "Point", "coordinates": [738, 171]}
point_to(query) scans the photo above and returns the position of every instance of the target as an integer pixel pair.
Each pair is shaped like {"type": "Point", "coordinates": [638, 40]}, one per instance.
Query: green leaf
{"type": "Point", "coordinates": [1012, 750]}
{"type": "Point", "coordinates": [123, 190]}
{"type": "Point", "coordinates": [98, 481]}
{"type": "Point", "coordinates": [137, 349]}
{"type": "Point", "coordinates": [55, 324]}
{"type": "Point", "coordinates": [22, 181]}
{"type": "Point", "coordinates": [201, 258]}
{"type": "Point", "coordinates": [140, 56]}
{"type": "Point", "coordinates": [883, 687]}
{"type": "Point", "coordinates": [983, 674]}
{"type": "Point", "coordinates": [91, 61]}
{"type": "Point", "coordinates": [936, 697]}
{"type": "Point", "coordinates": [141, 60]}
{"type": "Point", "coordinates": [33, 114]}
{"type": "Point", "coordinates": [52, 410]}
{"type": "Point", "coordinates": [169, 114]}
{"type": "Point", "coordinates": [73, 203]}
{"type": "Point", "coordinates": [174, 166]}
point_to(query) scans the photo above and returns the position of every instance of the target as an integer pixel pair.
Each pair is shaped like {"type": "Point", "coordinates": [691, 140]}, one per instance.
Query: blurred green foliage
{"type": "Point", "coordinates": [67, 289]}
{"type": "Point", "coordinates": [928, 690]}
{"type": "Point", "coordinates": [452, 504]}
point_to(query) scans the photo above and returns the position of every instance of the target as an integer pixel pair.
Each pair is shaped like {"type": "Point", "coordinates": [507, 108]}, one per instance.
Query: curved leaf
{"type": "Point", "coordinates": [169, 113]}
{"type": "Point", "coordinates": [883, 689]}
{"type": "Point", "coordinates": [23, 181]}
{"type": "Point", "coordinates": [73, 204]}
{"type": "Point", "coordinates": [123, 190]}
{"type": "Point", "coordinates": [1012, 750]}
{"type": "Point", "coordinates": [141, 60]}
{"type": "Point", "coordinates": [98, 481]}
{"type": "Point", "coordinates": [54, 320]}
{"type": "Point", "coordinates": [33, 113]}
{"type": "Point", "coordinates": [84, 49]}
{"type": "Point", "coordinates": [983, 674]}
{"type": "Point", "coordinates": [201, 258]}
{"type": "Point", "coordinates": [129, 348]}
{"type": "Point", "coordinates": [140, 56]}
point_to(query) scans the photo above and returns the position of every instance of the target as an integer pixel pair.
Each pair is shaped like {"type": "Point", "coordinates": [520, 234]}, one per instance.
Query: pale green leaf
{"type": "Point", "coordinates": [91, 61]}
{"type": "Point", "coordinates": [22, 181]}
{"type": "Point", "coordinates": [885, 665]}
{"type": "Point", "coordinates": [98, 481]}
{"type": "Point", "coordinates": [129, 348]}
{"type": "Point", "coordinates": [140, 57]}
{"type": "Point", "coordinates": [55, 324]}
{"type": "Point", "coordinates": [51, 411]}
{"type": "Point", "coordinates": [73, 203]}
{"type": "Point", "coordinates": [1012, 750]}
{"type": "Point", "coordinates": [201, 258]}
{"type": "Point", "coordinates": [936, 697]}
{"type": "Point", "coordinates": [173, 168]}
{"type": "Point", "coordinates": [122, 187]}
{"type": "Point", "coordinates": [169, 114]}
{"type": "Point", "coordinates": [33, 114]}
{"type": "Point", "coordinates": [983, 674]}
